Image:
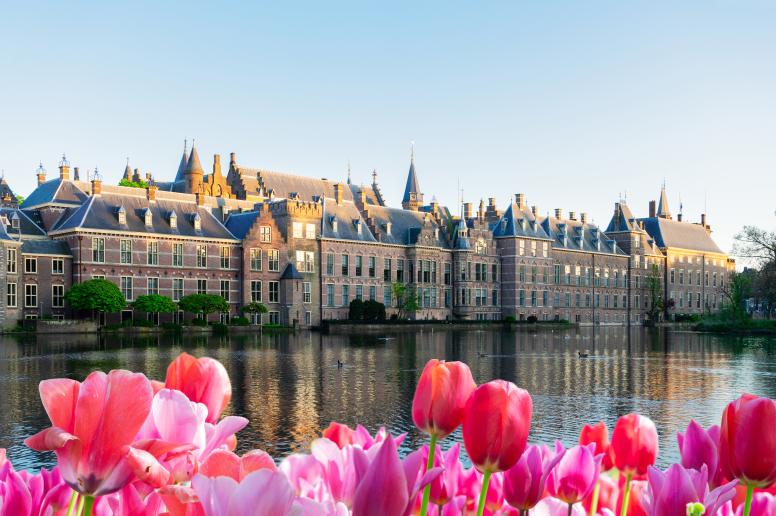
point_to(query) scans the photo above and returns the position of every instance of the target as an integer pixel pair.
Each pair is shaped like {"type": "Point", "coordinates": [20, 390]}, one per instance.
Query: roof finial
{"type": "Point", "coordinates": [348, 171]}
{"type": "Point", "coordinates": [374, 176]}
{"type": "Point", "coordinates": [412, 151]}
{"type": "Point", "coordinates": [185, 144]}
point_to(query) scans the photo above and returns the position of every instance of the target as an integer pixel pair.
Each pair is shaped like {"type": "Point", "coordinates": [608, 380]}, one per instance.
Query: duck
{"type": "Point", "coordinates": [340, 364]}
{"type": "Point", "coordinates": [583, 355]}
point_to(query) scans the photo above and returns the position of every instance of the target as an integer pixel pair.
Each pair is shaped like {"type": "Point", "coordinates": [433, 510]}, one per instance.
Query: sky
{"type": "Point", "coordinates": [575, 104]}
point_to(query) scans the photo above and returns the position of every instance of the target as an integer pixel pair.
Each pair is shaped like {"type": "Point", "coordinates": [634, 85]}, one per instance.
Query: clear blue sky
{"type": "Point", "coordinates": [570, 103]}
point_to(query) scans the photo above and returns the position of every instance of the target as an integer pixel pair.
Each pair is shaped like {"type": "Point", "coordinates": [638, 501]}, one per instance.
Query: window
{"type": "Point", "coordinates": [153, 286]}
{"type": "Point", "coordinates": [57, 266]}
{"type": "Point", "coordinates": [255, 259]}
{"type": "Point", "coordinates": [495, 297]}
{"type": "Point", "coordinates": [522, 297]}
{"type": "Point", "coordinates": [98, 276]}
{"type": "Point", "coordinates": [329, 295]}
{"type": "Point", "coordinates": [30, 265]}
{"type": "Point", "coordinates": [345, 265]}
{"type": "Point", "coordinates": [308, 318]}
{"type": "Point", "coordinates": [10, 298]}
{"type": "Point", "coordinates": [298, 229]}
{"type": "Point", "coordinates": [310, 231]}
{"type": "Point", "coordinates": [153, 253]}
{"type": "Point", "coordinates": [360, 292]}
{"type": "Point", "coordinates": [256, 291]}
{"type": "Point", "coordinates": [177, 289]}
{"type": "Point", "coordinates": [274, 317]}
{"type": "Point", "coordinates": [359, 265]}
{"type": "Point", "coordinates": [177, 255]}
{"type": "Point", "coordinates": [265, 234]}
{"type": "Point", "coordinates": [202, 256]}
{"type": "Point", "coordinates": [125, 248]}
{"type": "Point", "coordinates": [345, 295]}
{"type": "Point", "coordinates": [371, 264]}
{"type": "Point", "coordinates": [330, 264]}
{"type": "Point", "coordinates": [521, 247]}
{"type": "Point", "coordinates": [273, 260]}
{"type": "Point", "coordinates": [201, 286]}
{"type": "Point", "coordinates": [305, 261]}
{"type": "Point", "coordinates": [224, 257]}
{"type": "Point", "coordinates": [274, 292]}
{"type": "Point", "coordinates": [11, 261]}
{"type": "Point", "coordinates": [400, 270]}
{"type": "Point", "coordinates": [125, 283]}
{"type": "Point", "coordinates": [494, 273]}
{"type": "Point", "coordinates": [98, 250]}
{"type": "Point", "coordinates": [225, 289]}
{"type": "Point", "coordinates": [372, 293]}
{"type": "Point", "coordinates": [30, 295]}
{"type": "Point", "coordinates": [447, 277]}
{"type": "Point", "coordinates": [387, 296]}
{"type": "Point", "coordinates": [307, 290]}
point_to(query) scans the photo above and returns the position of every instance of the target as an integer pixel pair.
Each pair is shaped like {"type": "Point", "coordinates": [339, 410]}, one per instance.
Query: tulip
{"type": "Point", "coordinates": [93, 422]}
{"type": "Point", "coordinates": [747, 443]}
{"type": "Point", "coordinates": [672, 491]}
{"type": "Point", "coordinates": [203, 380]}
{"type": "Point", "coordinates": [524, 482]}
{"type": "Point", "coordinates": [262, 492]}
{"type": "Point", "coordinates": [339, 434]}
{"type": "Point", "coordinates": [574, 476]}
{"type": "Point", "coordinates": [598, 434]}
{"type": "Point", "coordinates": [439, 403]}
{"type": "Point", "coordinates": [698, 447]}
{"type": "Point", "coordinates": [605, 494]}
{"type": "Point", "coordinates": [636, 496]}
{"type": "Point", "coordinates": [634, 441]}
{"type": "Point", "coordinates": [495, 428]}
{"type": "Point", "coordinates": [445, 486]}
{"type": "Point", "coordinates": [224, 463]}
{"type": "Point", "coordinates": [383, 489]}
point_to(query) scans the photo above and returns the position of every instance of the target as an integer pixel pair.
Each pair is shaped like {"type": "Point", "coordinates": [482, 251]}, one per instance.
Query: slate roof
{"type": "Point", "coordinates": [371, 195]}
{"type": "Point", "coordinates": [622, 219]}
{"type": "Point", "coordinates": [100, 212]}
{"type": "Point", "coordinates": [55, 191]}
{"type": "Point", "coordinates": [5, 189]}
{"type": "Point", "coordinates": [663, 209]}
{"type": "Point", "coordinates": [290, 272]}
{"type": "Point", "coordinates": [27, 226]}
{"type": "Point", "coordinates": [182, 166]}
{"type": "Point", "coordinates": [682, 235]}
{"type": "Point", "coordinates": [239, 224]}
{"type": "Point", "coordinates": [348, 221]}
{"type": "Point", "coordinates": [519, 222]}
{"type": "Point", "coordinates": [578, 236]}
{"type": "Point", "coordinates": [52, 247]}
{"type": "Point", "coordinates": [406, 226]}
{"type": "Point", "coordinates": [413, 185]}
{"type": "Point", "coordinates": [461, 239]}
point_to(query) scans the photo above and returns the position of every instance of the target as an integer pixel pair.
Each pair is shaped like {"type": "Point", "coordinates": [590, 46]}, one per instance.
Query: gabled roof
{"type": "Point", "coordinates": [57, 192]}
{"type": "Point", "coordinates": [27, 226]}
{"type": "Point", "coordinates": [622, 219]}
{"type": "Point", "coordinates": [239, 224]}
{"type": "Point", "coordinates": [519, 222]}
{"type": "Point", "coordinates": [349, 223]}
{"type": "Point", "coordinates": [681, 235]}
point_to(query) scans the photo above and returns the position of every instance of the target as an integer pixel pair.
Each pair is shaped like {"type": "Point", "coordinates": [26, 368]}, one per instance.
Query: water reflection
{"type": "Point", "coordinates": [290, 387]}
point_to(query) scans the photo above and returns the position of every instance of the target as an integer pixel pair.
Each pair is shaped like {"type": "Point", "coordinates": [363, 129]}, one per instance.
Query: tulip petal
{"type": "Point", "coordinates": [262, 492]}
{"type": "Point", "coordinates": [49, 439]}
{"type": "Point", "coordinates": [59, 396]}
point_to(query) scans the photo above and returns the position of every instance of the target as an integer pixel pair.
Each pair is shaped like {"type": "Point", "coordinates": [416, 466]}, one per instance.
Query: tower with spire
{"type": "Point", "coordinates": [194, 172]}
{"type": "Point", "coordinates": [413, 198]}
{"type": "Point", "coordinates": [179, 176]}
{"type": "Point", "coordinates": [663, 211]}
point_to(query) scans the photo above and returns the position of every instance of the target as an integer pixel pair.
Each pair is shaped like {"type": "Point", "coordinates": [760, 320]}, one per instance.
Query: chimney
{"type": "Point", "coordinates": [491, 201]}
{"type": "Point", "coordinates": [583, 217]}
{"type": "Point", "coordinates": [520, 200]}
{"type": "Point", "coordinates": [64, 171]}
{"type": "Point", "coordinates": [481, 210]}
{"type": "Point", "coordinates": [362, 196]}
{"type": "Point", "coordinates": [338, 190]}
{"type": "Point", "coordinates": [558, 213]}
{"type": "Point", "coordinates": [216, 164]}
{"type": "Point", "coordinates": [534, 210]}
{"type": "Point", "coordinates": [703, 221]}
{"type": "Point", "coordinates": [572, 215]}
{"type": "Point", "coordinates": [467, 210]}
{"type": "Point", "coordinates": [434, 206]}
{"type": "Point", "coordinates": [151, 192]}
{"type": "Point", "coordinates": [96, 186]}
{"type": "Point", "coordinates": [200, 198]}
{"type": "Point", "coordinates": [679, 217]}
{"type": "Point", "coordinates": [41, 173]}
{"type": "Point", "coordinates": [76, 175]}
{"type": "Point", "coordinates": [652, 209]}
{"type": "Point", "coordinates": [233, 159]}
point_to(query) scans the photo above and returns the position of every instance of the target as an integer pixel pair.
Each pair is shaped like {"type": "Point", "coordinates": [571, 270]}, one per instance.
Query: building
{"type": "Point", "coordinates": [306, 247]}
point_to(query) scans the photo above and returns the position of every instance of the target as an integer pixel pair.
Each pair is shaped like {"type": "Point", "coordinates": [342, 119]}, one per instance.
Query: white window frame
{"type": "Point", "coordinates": [30, 292]}
{"type": "Point", "coordinates": [57, 298]}
{"type": "Point", "coordinates": [60, 270]}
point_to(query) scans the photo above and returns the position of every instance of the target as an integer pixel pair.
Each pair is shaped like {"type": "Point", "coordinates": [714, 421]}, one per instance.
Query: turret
{"type": "Point", "coordinates": [194, 172]}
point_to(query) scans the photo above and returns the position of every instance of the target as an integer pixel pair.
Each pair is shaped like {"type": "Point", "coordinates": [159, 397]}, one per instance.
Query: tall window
{"type": "Point", "coordinates": [307, 290]}
{"type": "Point", "coordinates": [255, 291]}
{"type": "Point", "coordinates": [329, 295]}
{"type": "Point", "coordinates": [98, 250]}
{"type": "Point", "coordinates": [255, 259]}
{"type": "Point", "coordinates": [387, 269]}
{"type": "Point", "coordinates": [225, 289]}
{"type": "Point", "coordinates": [265, 234]}
{"type": "Point", "coordinates": [387, 295]}
{"type": "Point", "coordinates": [11, 257]}
{"type": "Point", "coordinates": [202, 256]}
{"type": "Point", "coordinates": [371, 266]}
{"type": "Point", "coordinates": [345, 265]}
{"type": "Point", "coordinates": [201, 286]}
{"type": "Point", "coordinates": [345, 295]}
{"type": "Point", "coordinates": [153, 253]}
{"type": "Point", "coordinates": [30, 265]}
{"type": "Point", "coordinates": [274, 292]}
{"type": "Point", "coordinates": [10, 298]}
{"type": "Point", "coordinates": [126, 287]}
{"type": "Point", "coordinates": [330, 264]}
{"type": "Point", "coordinates": [359, 264]}
{"type": "Point", "coordinates": [360, 292]}
{"type": "Point", "coordinates": [400, 270]}
{"type": "Point", "coordinates": [30, 295]}
{"type": "Point", "coordinates": [177, 289]}
{"type": "Point", "coordinates": [177, 255]}
{"type": "Point", "coordinates": [310, 231]}
{"type": "Point", "coordinates": [58, 266]}
{"type": "Point", "coordinates": [273, 260]}
{"type": "Point", "coordinates": [298, 229]}
{"type": "Point", "coordinates": [447, 277]}
{"type": "Point", "coordinates": [125, 248]}
{"type": "Point", "coordinates": [153, 286]}
{"type": "Point", "coordinates": [224, 257]}
{"type": "Point", "coordinates": [305, 261]}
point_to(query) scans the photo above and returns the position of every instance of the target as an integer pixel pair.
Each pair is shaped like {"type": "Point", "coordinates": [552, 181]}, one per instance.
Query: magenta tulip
{"type": "Point", "coordinates": [698, 447]}
{"type": "Point", "coordinates": [574, 476]}
{"type": "Point", "coordinates": [670, 492]}
{"type": "Point", "coordinates": [383, 489]}
{"type": "Point", "coordinates": [747, 443]}
{"type": "Point", "coordinates": [524, 482]}
{"type": "Point", "coordinates": [445, 486]}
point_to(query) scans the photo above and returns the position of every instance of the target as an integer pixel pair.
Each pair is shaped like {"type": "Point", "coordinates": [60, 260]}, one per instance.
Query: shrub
{"type": "Point", "coordinates": [198, 322]}
{"type": "Point", "coordinates": [97, 294]}
{"type": "Point", "coordinates": [153, 303]}
{"type": "Point", "coordinates": [143, 323]}
{"type": "Point", "coordinates": [356, 310]}
{"type": "Point", "coordinates": [219, 328]}
{"type": "Point", "coordinates": [532, 319]}
{"type": "Point", "coordinates": [240, 321]}
{"type": "Point", "coordinates": [374, 311]}
{"type": "Point", "coordinates": [172, 326]}
{"type": "Point", "coordinates": [510, 319]}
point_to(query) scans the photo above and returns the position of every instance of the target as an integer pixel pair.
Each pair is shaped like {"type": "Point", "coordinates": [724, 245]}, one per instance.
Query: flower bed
{"type": "Point", "coordinates": [127, 445]}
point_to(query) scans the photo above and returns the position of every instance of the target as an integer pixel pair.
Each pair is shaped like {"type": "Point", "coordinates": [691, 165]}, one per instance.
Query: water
{"type": "Point", "coordinates": [289, 385]}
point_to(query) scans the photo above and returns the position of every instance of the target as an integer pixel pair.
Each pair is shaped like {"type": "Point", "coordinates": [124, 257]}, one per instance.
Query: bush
{"type": "Point", "coordinates": [219, 328]}
{"type": "Point", "coordinates": [687, 318]}
{"type": "Point", "coordinates": [240, 321]}
{"type": "Point", "coordinates": [532, 319]}
{"type": "Point", "coordinates": [374, 311]}
{"type": "Point", "coordinates": [510, 319]}
{"type": "Point", "coordinates": [356, 310]}
{"type": "Point", "coordinates": [172, 326]}
{"type": "Point", "coordinates": [143, 323]}
{"type": "Point", "coordinates": [198, 322]}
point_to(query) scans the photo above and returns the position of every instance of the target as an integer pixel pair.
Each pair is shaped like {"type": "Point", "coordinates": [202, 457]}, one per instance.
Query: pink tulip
{"type": "Point", "coordinates": [262, 492]}
{"type": "Point", "coordinates": [445, 486]}
{"type": "Point", "coordinates": [524, 482]}
{"type": "Point", "coordinates": [93, 422]}
{"type": "Point", "coordinates": [130, 502]}
{"type": "Point", "coordinates": [226, 463]}
{"type": "Point", "coordinates": [608, 491]}
{"type": "Point", "coordinates": [698, 447]}
{"type": "Point", "coordinates": [339, 434]}
{"type": "Point", "coordinates": [306, 476]}
{"type": "Point", "coordinates": [747, 444]}
{"type": "Point", "coordinates": [555, 507]}
{"type": "Point", "coordinates": [634, 441]}
{"type": "Point", "coordinates": [441, 396]}
{"type": "Point", "coordinates": [15, 497]}
{"type": "Point", "coordinates": [202, 380]}
{"type": "Point", "coordinates": [638, 492]}
{"type": "Point", "coordinates": [383, 489]}
{"type": "Point", "coordinates": [574, 476]}
{"type": "Point", "coordinates": [599, 435]}
{"type": "Point", "coordinates": [670, 492]}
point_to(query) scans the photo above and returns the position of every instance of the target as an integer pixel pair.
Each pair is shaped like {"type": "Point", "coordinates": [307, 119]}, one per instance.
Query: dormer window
{"type": "Point", "coordinates": [149, 220]}
{"type": "Point", "coordinates": [333, 222]}
{"type": "Point", "coordinates": [122, 215]}
{"type": "Point", "coordinates": [197, 222]}
{"type": "Point", "coordinates": [173, 220]}
{"type": "Point", "coordinates": [436, 233]}
{"type": "Point", "coordinates": [357, 224]}
{"type": "Point", "coordinates": [15, 221]}
{"type": "Point", "coordinates": [388, 226]}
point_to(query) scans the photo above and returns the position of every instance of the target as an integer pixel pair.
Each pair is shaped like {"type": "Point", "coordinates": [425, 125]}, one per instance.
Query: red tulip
{"type": "Point", "coordinates": [441, 396]}
{"type": "Point", "coordinates": [634, 441]}
{"type": "Point", "coordinates": [598, 434]}
{"type": "Point", "coordinates": [495, 425]}
{"type": "Point", "coordinates": [202, 380]}
{"type": "Point", "coordinates": [747, 441]}
{"type": "Point", "coordinates": [339, 434]}
{"type": "Point", "coordinates": [92, 424]}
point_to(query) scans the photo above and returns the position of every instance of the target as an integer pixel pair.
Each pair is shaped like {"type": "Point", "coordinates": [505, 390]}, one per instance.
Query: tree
{"type": "Point", "coordinates": [95, 295]}
{"type": "Point", "coordinates": [20, 199]}
{"type": "Point", "coordinates": [764, 287]}
{"type": "Point", "coordinates": [374, 310]}
{"type": "Point", "coordinates": [133, 184]}
{"type": "Point", "coordinates": [203, 304]}
{"type": "Point", "coordinates": [406, 299]}
{"type": "Point", "coordinates": [737, 290]}
{"type": "Point", "coordinates": [755, 244]}
{"type": "Point", "coordinates": [356, 310]}
{"type": "Point", "coordinates": [655, 289]}
{"type": "Point", "coordinates": [254, 308]}
{"type": "Point", "coordinates": [154, 303]}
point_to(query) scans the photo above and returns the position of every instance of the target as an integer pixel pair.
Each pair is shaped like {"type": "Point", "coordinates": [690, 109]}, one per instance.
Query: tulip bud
{"type": "Point", "coordinates": [441, 396]}
{"type": "Point", "coordinates": [747, 442]}
{"type": "Point", "coordinates": [634, 441]}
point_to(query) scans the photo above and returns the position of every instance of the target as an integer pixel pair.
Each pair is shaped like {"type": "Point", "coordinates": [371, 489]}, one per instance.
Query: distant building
{"type": "Point", "coordinates": [306, 247]}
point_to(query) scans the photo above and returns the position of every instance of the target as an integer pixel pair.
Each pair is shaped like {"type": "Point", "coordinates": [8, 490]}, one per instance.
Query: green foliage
{"type": "Point", "coordinates": [97, 294]}
{"type": "Point", "coordinates": [203, 304]}
{"type": "Point", "coordinates": [510, 319]}
{"type": "Point", "coordinates": [374, 310]}
{"type": "Point", "coordinates": [737, 289]}
{"type": "Point", "coordinates": [219, 328]}
{"type": "Point", "coordinates": [532, 319]}
{"type": "Point", "coordinates": [154, 303]}
{"type": "Point", "coordinates": [356, 310]}
{"type": "Point", "coordinates": [198, 322]}
{"type": "Point", "coordinates": [254, 308]}
{"type": "Point", "coordinates": [142, 323]}
{"type": "Point", "coordinates": [172, 327]}
{"type": "Point", "coordinates": [406, 299]}
{"type": "Point", "coordinates": [240, 321]}
{"type": "Point", "coordinates": [20, 199]}
{"type": "Point", "coordinates": [133, 184]}
{"type": "Point", "coordinates": [655, 289]}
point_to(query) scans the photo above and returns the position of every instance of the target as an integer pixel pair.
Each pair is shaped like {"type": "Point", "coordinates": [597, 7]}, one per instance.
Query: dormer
{"type": "Point", "coordinates": [333, 222]}
{"type": "Point", "coordinates": [173, 220]}
{"type": "Point", "coordinates": [15, 221]}
{"type": "Point", "coordinates": [197, 220]}
{"type": "Point", "coordinates": [357, 225]}
{"type": "Point", "coordinates": [149, 218]}
{"type": "Point", "coordinates": [121, 214]}
{"type": "Point", "coordinates": [388, 227]}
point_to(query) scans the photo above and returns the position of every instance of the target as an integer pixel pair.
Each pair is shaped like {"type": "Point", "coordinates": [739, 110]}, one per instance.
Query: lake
{"type": "Point", "coordinates": [290, 387]}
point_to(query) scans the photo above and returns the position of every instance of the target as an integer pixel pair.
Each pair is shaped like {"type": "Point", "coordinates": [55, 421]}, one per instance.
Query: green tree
{"type": "Point", "coordinates": [374, 310]}
{"type": "Point", "coordinates": [655, 289]}
{"type": "Point", "coordinates": [406, 299]}
{"type": "Point", "coordinates": [20, 199]}
{"type": "Point", "coordinates": [95, 295]}
{"type": "Point", "coordinates": [133, 184]}
{"type": "Point", "coordinates": [737, 290]}
{"type": "Point", "coordinates": [203, 304]}
{"type": "Point", "coordinates": [254, 308]}
{"type": "Point", "coordinates": [154, 303]}
{"type": "Point", "coordinates": [356, 310]}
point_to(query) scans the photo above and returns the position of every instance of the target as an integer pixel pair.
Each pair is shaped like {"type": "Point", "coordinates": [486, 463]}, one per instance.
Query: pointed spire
{"type": "Point", "coordinates": [663, 210]}
{"type": "Point", "coordinates": [184, 162]}
{"type": "Point", "coordinates": [194, 166]}
{"type": "Point", "coordinates": [413, 197]}
{"type": "Point", "coordinates": [127, 172]}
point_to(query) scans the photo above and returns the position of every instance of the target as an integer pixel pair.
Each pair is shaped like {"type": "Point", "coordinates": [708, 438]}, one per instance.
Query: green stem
{"type": "Point", "coordinates": [88, 504]}
{"type": "Point", "coordinates": [483, 493]}
{"type": "Point", "coordinates": [594, 503]}
{"type": "Point", "coordinates": [79, 510]}
{"type": "Point", "coordinates": [429, 465]}
{"type": "Point", "coordinates": [626, 495]}
{"type": "Point", "coordinates": [748, 502]}
{"type": "Point", "coordinates": [71, 505]}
